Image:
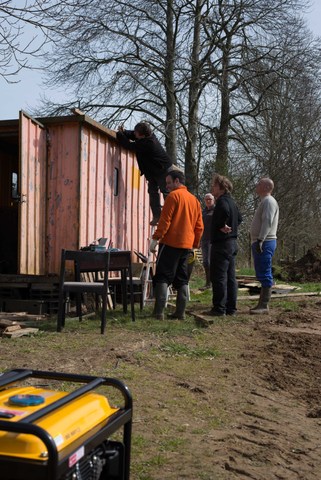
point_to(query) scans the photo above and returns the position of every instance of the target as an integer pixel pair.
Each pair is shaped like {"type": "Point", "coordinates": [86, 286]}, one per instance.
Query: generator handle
{"type": "Point", "coordinates": [91, 383]}
{"type": "Point", "coordinates": [13, 376]}
{"type": "Point", "coordinates": [40, 433]}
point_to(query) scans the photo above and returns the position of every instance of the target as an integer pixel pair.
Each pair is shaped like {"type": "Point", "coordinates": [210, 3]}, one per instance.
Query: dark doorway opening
{"type": "Point", "coordinates": [9, 169]}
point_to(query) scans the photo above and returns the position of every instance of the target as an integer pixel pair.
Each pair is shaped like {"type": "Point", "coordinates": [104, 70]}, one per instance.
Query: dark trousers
{"type": "Point", "coordinates": [206, 252]}
{"type": "Point", "coordinates": [156, 185]}
{"type": "Point", "coordinates": [171, 266]}
{"type": "Point", "coordinates": [223, 276]}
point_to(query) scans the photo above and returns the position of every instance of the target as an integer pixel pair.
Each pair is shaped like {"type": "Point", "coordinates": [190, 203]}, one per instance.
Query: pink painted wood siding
{"type": "Point", "coordinates": [63, 192]}
{"type": "Point", "coordinates": [119, 217]}
{"type": "Point", "coordinates": [32, 208]}
{"type": "Point", "coordinates": [82, 204]}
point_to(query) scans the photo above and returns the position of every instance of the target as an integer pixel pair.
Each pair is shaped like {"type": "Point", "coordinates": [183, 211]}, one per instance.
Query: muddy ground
{"type": "Point", "coordinates": [240, 399]}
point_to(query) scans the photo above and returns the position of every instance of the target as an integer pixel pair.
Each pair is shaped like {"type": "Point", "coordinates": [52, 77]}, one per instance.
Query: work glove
{"type": "Point", "coordinates": [259, 246]}
{"type": "Point", "coordinates": [153, 245]}
{"type": "Point", "coordinates": [191, 257]}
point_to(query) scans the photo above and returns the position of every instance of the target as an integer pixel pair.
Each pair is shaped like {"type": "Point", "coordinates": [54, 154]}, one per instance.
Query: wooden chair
{"type": "Point", "coordinates": [83, 261]}
{"type": "Point", "coordinates": [137, 281]}
{"type": "Point", "coordinates": [121, 261]}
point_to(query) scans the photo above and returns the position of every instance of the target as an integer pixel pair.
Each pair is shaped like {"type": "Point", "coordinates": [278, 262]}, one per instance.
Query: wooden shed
{"type": "Point", "coordinates": [65, 182]}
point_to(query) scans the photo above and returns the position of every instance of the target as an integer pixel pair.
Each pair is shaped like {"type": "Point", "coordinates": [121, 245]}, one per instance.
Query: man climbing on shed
{"type": "Point", "coordinates": [152, 159]}
{"type": "Point", "coordinates": [179, 230]}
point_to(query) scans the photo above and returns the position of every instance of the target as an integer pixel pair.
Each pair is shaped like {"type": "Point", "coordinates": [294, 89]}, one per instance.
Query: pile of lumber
{"type": "Point", "coordinates": [14, 325]}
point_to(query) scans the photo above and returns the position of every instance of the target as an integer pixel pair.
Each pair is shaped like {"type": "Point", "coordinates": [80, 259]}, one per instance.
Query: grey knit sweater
{"type": "Point", "coordinates": [265, 221]}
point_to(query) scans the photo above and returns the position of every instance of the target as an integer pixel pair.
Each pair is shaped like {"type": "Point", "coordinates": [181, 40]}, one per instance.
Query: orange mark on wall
{"type": "Point", "coordinates": [135, 178]}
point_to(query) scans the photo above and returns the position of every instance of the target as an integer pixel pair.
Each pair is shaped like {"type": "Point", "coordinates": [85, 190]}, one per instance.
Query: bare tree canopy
{"type": "Point", "coordinates": [22, 37]}
{"type": "Point", "coordinates": [183, 65]}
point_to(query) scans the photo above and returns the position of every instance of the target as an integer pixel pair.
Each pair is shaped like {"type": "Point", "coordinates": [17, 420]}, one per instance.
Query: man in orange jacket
{"type": "Point", "coordinates": [179, 230]}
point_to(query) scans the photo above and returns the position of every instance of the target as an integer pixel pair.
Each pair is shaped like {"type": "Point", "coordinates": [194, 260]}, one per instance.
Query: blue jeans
{"type": "Point", "coordinates": [263, 262]}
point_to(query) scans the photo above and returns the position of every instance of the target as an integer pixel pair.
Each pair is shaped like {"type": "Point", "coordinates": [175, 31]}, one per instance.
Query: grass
{"type": "Point", "coordinates": [307, 287]}
{"type": "Point", "coordinates": [286, 305]}
{"type": "Point", "coordinates": [166, 329]}
{"type": "Point", "coordinates": [247, 271]}
{"type": "Point", "coordinates": [179, 349]}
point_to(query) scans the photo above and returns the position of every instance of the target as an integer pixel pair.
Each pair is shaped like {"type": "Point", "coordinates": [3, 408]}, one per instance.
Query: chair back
{"type": "Point", "coordinates": [85, 261]}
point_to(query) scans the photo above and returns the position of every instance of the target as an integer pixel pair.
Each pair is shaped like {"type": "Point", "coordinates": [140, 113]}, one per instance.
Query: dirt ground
{"type": "Point", "coordinates": [240, 399]}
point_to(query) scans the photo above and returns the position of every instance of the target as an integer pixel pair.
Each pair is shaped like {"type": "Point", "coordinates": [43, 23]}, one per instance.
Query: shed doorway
{"type": "Point", "coordinates": [9, 173]}
{"type": "Point", "coordinates": [23, 186]}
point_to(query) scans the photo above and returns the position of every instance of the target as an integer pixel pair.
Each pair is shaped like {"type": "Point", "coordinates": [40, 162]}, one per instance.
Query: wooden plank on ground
{"type": "Point", "coordinates": [19, 316]}
{"type": "Point", "coordinates": [12, 328]}
{"type": "Point", "coordinates": [5, 323]}
{"type": "Point", "coordinates": [282, 295]}
{"type": "Point", "coordinates": [21, 332]}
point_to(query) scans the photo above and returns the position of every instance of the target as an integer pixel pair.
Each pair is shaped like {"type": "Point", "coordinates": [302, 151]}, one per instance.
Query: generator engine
{"type": "Point", "coordinates": [105, 461]}
{"type": "Point", "coordinates": [50, 434]}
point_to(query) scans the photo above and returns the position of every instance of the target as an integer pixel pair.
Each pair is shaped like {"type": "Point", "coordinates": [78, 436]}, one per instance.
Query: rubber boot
{"type": "Point", "coordinates": [263, 305]}
{"type": "Point", "coordinates": [181, 300]}
{"type": "Point", "coordinates": [160, 300]}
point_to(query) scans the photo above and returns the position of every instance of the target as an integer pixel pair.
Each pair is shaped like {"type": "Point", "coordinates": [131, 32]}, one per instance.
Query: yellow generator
{"type": "Point", "coordinates": [48, 434]}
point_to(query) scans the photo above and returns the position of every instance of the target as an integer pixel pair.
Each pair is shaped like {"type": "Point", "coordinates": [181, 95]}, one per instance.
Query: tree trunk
{"type": "Point", "coordinates": [170, 124]}
{"type": "Point", "coordinates": [191, 172]}
{"type": "Point", "coordinates": [221, 133]}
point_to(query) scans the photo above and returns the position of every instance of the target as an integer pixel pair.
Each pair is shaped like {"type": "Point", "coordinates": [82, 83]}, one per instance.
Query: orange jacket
{"type": "Point", "coordinates": [180, 224]}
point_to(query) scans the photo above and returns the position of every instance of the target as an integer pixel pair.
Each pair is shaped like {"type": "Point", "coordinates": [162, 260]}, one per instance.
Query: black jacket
{"type": "Point", "coordinates": [152, 159]}
{"type": "Point", "coordinates": [207, 215]}
{"type": "Point", "coordinates": [225, 212]}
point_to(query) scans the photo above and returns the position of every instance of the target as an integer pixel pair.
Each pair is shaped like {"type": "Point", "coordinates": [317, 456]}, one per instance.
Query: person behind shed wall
{"type": "Point", "coordinates": [224, 232]}
{"type": "Point", "coordinates": [207, 214]}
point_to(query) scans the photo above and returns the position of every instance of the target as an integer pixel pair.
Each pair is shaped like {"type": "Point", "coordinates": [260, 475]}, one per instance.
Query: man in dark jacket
{"type": "Point", "coordinates": [152, 159]}
{"type": "Point", "coordinates": [225, 222]}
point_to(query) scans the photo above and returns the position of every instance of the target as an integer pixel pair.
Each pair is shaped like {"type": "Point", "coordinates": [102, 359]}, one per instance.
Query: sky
{"type": "Point", "coordinates": [26, 94]}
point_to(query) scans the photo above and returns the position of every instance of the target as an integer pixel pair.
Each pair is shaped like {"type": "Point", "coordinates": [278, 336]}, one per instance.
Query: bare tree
{"type": "Point", "coordinates": [118, 60]}
{"type": "Point", "coordinates": [245, 33]}
{"type": "Point", "coordinates": [283, 141]}
{"type": "Point", "coordinates": [17, 45]}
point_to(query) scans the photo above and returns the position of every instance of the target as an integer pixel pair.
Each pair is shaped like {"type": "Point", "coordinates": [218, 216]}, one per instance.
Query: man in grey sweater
{"type": "Point", "coordinates": [263, 238]}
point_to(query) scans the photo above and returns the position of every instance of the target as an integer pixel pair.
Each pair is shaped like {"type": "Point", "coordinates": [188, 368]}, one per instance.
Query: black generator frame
{"type": "Point", "coordinates": [56, 463]}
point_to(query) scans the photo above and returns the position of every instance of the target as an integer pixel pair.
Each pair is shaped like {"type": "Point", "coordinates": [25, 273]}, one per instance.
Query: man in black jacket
{"type": "Point", "coordinates": [225, 222]}
{"type": "Point", "coordinates": [152, 159]}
